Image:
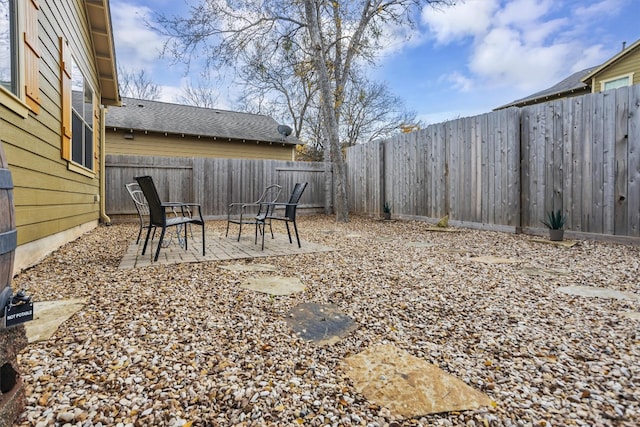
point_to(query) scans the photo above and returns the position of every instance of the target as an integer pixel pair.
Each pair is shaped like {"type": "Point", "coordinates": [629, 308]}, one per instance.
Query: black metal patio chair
{"type": "Point", "coordinates": [269, 212]}
{"type": "Point", "coordinates": [245, 213]}
{"type": "Point", "coordinates": [160, 214]}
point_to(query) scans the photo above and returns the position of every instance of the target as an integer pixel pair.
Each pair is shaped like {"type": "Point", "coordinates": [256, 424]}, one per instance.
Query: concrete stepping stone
{"type": "Point", "coordinates": [49, 315]}
{"type": "Point", "coordinates": [323, 324]}
{"type": "Point", "coordinates": [274, 285]}
{"type": "Point", "coordinates": [408, 386]}
{"type": "Point", "coordinates": [592, 291]}
{"type": "Point", "coordinates": [249, 267]}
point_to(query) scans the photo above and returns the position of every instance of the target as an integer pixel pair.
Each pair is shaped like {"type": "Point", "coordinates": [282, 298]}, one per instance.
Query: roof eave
{"type": "Point", "coordinates": [220, 137]}
{"type": "Point", "coordinates": [612, 60]}
{"type": "Point", "coordinates": [538, 100]}
{"type": "Point", "coordinates": [99, 16]}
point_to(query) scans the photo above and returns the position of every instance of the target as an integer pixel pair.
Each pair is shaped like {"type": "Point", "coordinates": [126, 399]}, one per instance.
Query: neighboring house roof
{"type": "Point", "coordinates": [572, 85]}
{"type": "Point", "coordinates": [576, 84]}
{"type": "Point", "coordinates": [626, 51]}
{"type": "Point", "coordinates": [155, 116]}
{"type": "Point", "coordinates": [102, 37]}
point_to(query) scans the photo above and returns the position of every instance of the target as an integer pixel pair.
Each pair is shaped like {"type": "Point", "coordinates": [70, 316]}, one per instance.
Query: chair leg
{"type": "Point", "coordinates": [185, 237]}
{"type": "Point", "coordinates": [270, 228]}
{"type": "Point", "coordinates": [240, 230]}
{"type": "Point", "coordinates": [159, 244]}
{"type": "Point", "coordinates": [295, 227]}
{"type": "Point", "coordinates": [288, 232]}
{"type": "Point", "coordinates": [139, 233]}
{"type": "Point", "coordinates": [203, 250]}
{"type": "Point", "coordinates": [146, 240]}
{"type": "Point", "coordinates": [255, 240]}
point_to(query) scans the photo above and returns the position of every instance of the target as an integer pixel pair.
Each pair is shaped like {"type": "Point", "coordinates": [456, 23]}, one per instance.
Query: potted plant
{"type": "Point", "coordinates": [386, 209]}
{"type": "Point", "coordinates": [555, 223]}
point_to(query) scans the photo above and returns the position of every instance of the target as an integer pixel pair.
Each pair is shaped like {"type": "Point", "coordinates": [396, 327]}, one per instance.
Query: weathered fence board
{"type": "Point", "coordinates": [214, 183]}
{"type": "Point", "coordinates": [509, 168]}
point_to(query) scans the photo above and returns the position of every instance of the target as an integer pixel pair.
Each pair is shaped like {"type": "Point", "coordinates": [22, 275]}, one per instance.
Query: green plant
{"type": "Point", "coordinates": [387, 207]}
{"type": "Point", "coordinates": [555, 220]}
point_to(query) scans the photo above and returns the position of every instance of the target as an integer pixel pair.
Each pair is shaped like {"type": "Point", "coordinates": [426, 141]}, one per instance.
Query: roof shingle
{"type": "Point", "coordinates": [155, 116]}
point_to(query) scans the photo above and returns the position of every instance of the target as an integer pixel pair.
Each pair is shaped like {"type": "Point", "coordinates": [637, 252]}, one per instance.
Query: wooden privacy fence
{"type": "Point", "coordinates": [214, 183]}
{"type": "Point", "coordinates": [506, 169]}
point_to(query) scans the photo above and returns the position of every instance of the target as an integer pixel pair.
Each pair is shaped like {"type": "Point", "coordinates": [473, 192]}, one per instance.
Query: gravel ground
{"type": "Point", "coordinates": [185, 345]}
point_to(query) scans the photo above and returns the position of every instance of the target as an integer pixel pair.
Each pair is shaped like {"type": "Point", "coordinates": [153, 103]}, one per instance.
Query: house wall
{"type": "Point", "coordinates": [53, 204]}
{"type": "Point", "coordinates": [628, 64]}
{"type": "Point", "coordinates": [157, 144]}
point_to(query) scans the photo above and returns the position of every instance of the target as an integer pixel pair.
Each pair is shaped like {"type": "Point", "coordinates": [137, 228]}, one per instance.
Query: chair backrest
{"type": "Point", "coordinates": [271, 194]}
{"type": "Point", "coordinates": [138, 198]}
{"type": "Point", "coordinates": [156, 211]}
{"type": "Point", "coordinates": [290, 210]}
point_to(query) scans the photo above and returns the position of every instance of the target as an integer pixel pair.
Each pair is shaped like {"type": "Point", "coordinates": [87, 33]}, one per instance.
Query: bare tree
{"type": "Point", "coordinates": [372, 112]}
{"type": "Point", "coordinates": [335, 35]}
{"type": "Point", "coordinates": [280, 84]}
{"type": "Point", "coordinates": [203, 95]}
{"type": "Point", "coordinates": [137, 84]}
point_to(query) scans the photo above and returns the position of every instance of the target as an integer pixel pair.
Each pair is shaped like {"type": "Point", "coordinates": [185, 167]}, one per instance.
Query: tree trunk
{"type": "Point", "coordinates": [328, 114]}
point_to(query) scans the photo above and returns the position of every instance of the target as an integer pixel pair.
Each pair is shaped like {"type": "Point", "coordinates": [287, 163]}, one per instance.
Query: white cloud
{"type": "Point", "coordinates": [521, 44]}
{"type": "Point", "coordinates": [137, 46]}
{"type": "Point", "coordinates": [470, 18]}
{"type": "Point", "coordinates": [597, 10]}
{"type": "Point", "coordinates": [460, 82]}
{"type": "Point", "coordinates": [522, 13]}
{"type": "Point", "coordinates": [503, 58]}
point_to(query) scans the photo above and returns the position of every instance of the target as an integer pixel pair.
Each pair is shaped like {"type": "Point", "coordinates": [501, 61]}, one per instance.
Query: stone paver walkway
{"type": "Point", "coordinates": [218, 248]}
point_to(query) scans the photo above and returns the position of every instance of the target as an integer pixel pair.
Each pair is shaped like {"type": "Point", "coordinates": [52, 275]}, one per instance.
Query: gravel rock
{"type": "Point", "coordinates": [176, 345]}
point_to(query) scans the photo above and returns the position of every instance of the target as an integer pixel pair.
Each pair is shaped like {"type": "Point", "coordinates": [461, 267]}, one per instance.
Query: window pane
{"type": "Point", "coordinates": [88, 148]}
{"type": "Point", "coordinates": [8, 47]}
{"type": "Point", "coordinates": [77, 88]}
{"type": "Point", "coordinates": [77, 140]}
{"type": "Point", "coordinates": [614, 84]}
{"type": "Point", "coordinates": [88, 105]}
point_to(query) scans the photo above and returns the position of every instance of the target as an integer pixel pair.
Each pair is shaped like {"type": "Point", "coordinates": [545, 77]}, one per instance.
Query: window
{"type": "Point", "coordinates": [19, 56]}
{"type": "Point", "coordinates": [616, 82]}
{"type": "Point", "coordinates": [81, 119]}
{"type": "Point", "coordinates": [9, 46]}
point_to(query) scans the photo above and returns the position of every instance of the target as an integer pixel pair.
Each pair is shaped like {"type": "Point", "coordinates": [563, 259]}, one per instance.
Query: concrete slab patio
{"type": "Point", "coordinates": [217, 248]}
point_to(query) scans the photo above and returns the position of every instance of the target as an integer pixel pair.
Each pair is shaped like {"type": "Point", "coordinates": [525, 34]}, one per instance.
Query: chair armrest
{"type": "Point", "coordinates": [182, 206]}
{"type": "Point", "coordinates": [276, 204]}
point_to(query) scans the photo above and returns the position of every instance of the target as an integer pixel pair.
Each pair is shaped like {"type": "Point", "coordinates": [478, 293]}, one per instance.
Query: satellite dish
{"type": "Point", "coordinates": [284, 130]}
